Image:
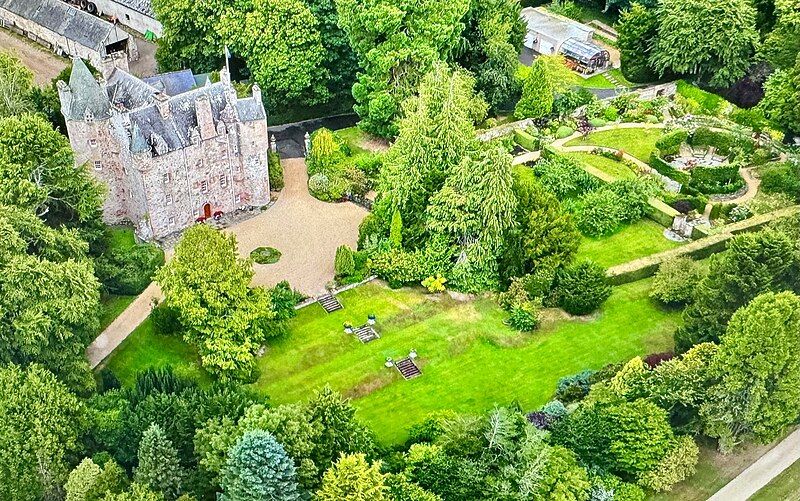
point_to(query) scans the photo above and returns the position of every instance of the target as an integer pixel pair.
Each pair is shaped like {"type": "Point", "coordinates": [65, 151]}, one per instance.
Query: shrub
{"type": "Point", "coordinates": [611, 114]}
{"type": "Point", "coordinates": [597, 122]}
{"type": "Point", "coordinates": [575, 387]}
{"type": "Point", "coordinates": [434, 284]}
{"type": "Point", "coordinates": [265, 255]}
{"type": "Point", "coordinates": [355, 180]}
{"type": "Point", "coordinates": [670, 144]}
{"type": "Point", "coordinates": [370, 228]}
{"type": "Point", "coordinates": [539, 419]}
{"type": "Point", "coordinates": [326, 152]}
{"type": "Point", "coordinates": [564, 177]}
{"type": "Point", "coordinates": [515, 295]}
{"type": "Point", "coordinates": [109, 380]}
{"type": "Point", "coordinates": [676, 280]}
{"type": "Point", "coordinates": [128, 271]}
{"type": "Point", "coordinates": [633, 195]}
{"type": "Point", "coordinates": [165, 319]}
{"type": "Point", "coordinates": [275, 171]}
{"type": "Point", "coordinates": [761, 156]}
{"type": "Point", "coordinates": [397, 267]}
{"type": "Point", "coordinates": [582, 288]}
{"type": "Point", "coordinates": [678, 464]}
{"type": "Point", "coordinates": [564, 131]}
{"type": "Point", "coordinates": [525, 317]}
{"type": "Point", "coordinates": [325, 188]}
{"type": "Point", "coordinates": [599, 212]}
{"type": "Point", "coordinates": [739, 213]}
{"type": "Point", "coordinates": [781, 178]}
{"type": "Point", "coordinates": [655, 359]}
{"type": "Point", "coordinates": [370, 164]}
{"type": "Point", "coordinates": [555, 409]}
{"type": "Point", "coordinates": [343, 262]}
{"type": "Point", "coordinates": [431, 428]}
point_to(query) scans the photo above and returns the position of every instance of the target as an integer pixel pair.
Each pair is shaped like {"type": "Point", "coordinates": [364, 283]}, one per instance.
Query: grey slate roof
{"type": "Point", "coordinates": [581, 51]}
{"type": "Point", "coordinates": [126, 89]}
{"type": "Point", "coordinates": [68, 21]}
{"type": "Point", "coordinates": [249, 110]}
{"type": "Point", "coordinates": [554, 26]}
{"type": "Point", "coordinates": [143, 6]}
{"type": "Point", "coordinates": [173, 83]}
{"type": "Point", "coordinates": [86, 93]}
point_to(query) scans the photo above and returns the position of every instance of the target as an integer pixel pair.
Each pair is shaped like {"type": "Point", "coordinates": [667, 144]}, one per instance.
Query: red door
{"type": "Point", "coordinates": [207, 211]}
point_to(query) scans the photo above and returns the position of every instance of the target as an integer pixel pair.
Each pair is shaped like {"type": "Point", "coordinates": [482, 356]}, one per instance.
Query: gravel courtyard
{"type": "Point", "coordinates": [307, 231]}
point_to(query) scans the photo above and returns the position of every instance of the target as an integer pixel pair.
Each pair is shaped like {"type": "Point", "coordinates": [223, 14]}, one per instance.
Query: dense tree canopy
{"type": "Point", "coordinates": [638, 28]}
{"type": "Point", "coordinates": [16, 83]}
{"type": "Point", "coordinates": [710, 39]}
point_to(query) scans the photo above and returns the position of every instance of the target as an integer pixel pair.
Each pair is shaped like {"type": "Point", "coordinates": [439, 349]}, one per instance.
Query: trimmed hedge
{"type": "Point", "coordinates": [661, 212]}
{"type": "Point", "coordinates": [526, 140]}
{"type": "Point", "coordinates": [699, 249]}
{"type": "Point", "coordinates": [670, 144]}
{"type": "Point", "coordinates": [712, 104]}
{"type": "Point", "coordinates": [704, 136]}
{"type": "Point", "coordinates": [722, 179]}
{"type": "Point", "coordinates": [662, 167]}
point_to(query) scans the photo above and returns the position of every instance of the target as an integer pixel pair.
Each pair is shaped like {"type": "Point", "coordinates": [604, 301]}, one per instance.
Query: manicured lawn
{"type": "Point", "coordinates": [617, 73]}
{"type": "Point", "coordinates": [612, 167]}
{"type": "Point", "coordinates": [595, 82]}
{"type": "Point", "coordinates": [470, 360]}
{"type": "Point", "coordinates": [111, 306]}
{"type": "Point", "coordinates": [784, 486]}
{"type": "Point", "coordinates": [144, 348]}
{"type": "Point", "coordinates": [121, 237]}
{"type": "Point", "coordinates": [638, 142]}
{"type": "Point", "coordinates": [643, 238]}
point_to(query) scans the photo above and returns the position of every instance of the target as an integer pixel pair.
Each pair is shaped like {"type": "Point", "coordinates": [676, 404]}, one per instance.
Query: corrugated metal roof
{"type": "Point", "coordinates": [68, 21]}
{"type": "Point", "coordinates": [553, 26]}
{"type": "Point", "coordinates": [581, 51]}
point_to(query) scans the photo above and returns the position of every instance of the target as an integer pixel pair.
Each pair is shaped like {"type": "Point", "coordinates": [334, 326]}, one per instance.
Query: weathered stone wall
{"type": "Point", "coordinates": [49, 39]}
{"type": "Point", "coordinates": [129, 17]}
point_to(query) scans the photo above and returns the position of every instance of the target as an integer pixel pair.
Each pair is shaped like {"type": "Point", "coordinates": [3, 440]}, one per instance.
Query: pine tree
{"type": "Point", "coordinates": [159, 468]}
{"type": "Point", "coordinates": [81, 480]}
{"type": "Point", "coordinates": [352, 478]}
{"type": "Point", "coordinates": [258, 468]}
{"type": "Point", "coordinates": [396, 230]}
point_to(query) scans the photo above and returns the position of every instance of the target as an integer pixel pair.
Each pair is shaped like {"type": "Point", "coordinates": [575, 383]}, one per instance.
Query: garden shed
{"type": "Point", "coordinates": [585, 56]}
{"type": "Point", "coordinates": [548, 31]}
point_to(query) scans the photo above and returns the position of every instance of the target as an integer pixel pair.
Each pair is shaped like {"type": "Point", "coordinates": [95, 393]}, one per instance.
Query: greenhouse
{"type": "Point", "coordinates": [585, 57]}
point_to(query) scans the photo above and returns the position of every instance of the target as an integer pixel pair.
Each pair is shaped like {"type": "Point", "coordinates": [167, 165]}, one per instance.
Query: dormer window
{"type": "Point", "coordinates": [93, 143]}
{"type": "Point", "coordinates": [98, 165]}
{"type": "Point", "coordinates": [88, 116]}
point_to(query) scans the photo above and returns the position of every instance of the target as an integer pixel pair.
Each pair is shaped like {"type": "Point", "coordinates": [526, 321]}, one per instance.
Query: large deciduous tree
{"type": "Point", "coordinates": [709, 39]}
{"type": "Point", "coordinates": [210, 291]}
{"type": "Point", "coordinates": [281, 43]}
{"type": "Point", "coordinates": [637, 27]}
{"type": "Point", "coordinates": [781, 103]}
{"type": "Point", "coordinates": [16, 83]}
{"type": "Point", "coordinates": [40, 426]}
{"type": "Point", "coordinates": [189, 38]}
{"type": "Point", "coordinates": [758, 371]}
{"type": "Point", "coordinates": [396, 42]}
{"type": "Point", "coordinates": [339, 59]}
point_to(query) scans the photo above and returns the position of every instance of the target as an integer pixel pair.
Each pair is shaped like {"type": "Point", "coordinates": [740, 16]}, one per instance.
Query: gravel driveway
{"type": "Point", "coordinates": [307, 231]}
{"type": "Point", "coordinates": [43, 63]}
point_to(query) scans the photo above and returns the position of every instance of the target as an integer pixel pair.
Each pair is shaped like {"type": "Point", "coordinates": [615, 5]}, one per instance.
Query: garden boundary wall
{"type": "Point", "coordinates": [699, 249]}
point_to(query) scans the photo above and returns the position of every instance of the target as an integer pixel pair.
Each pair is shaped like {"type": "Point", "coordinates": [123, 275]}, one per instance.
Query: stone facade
{"type": "Point", "coordinates": [167, 160]}
{"type": "Point", "coordinates": [135, 14]}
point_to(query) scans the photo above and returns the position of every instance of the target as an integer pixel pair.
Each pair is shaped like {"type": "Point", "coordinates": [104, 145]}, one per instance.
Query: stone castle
{"type": "Point", "coordinates": [170, 151]}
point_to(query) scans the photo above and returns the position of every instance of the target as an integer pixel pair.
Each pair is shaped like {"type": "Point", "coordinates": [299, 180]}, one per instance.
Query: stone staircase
{"type": "Point", "coordinates": [330, 303]}
{"type": "Point", "coordinates": [366, 333]}
{"type": "Point", "coordinates": [408, 369]}
{"type": "Point", "coordinates": [618, 86]}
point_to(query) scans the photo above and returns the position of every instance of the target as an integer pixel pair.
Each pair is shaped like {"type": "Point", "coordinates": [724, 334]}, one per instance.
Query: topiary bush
{"type": "Point", "coordinates": [275, 171]}
{"type": "Point", "coordinates": [582, 288]}
{"type": "Point", "coordinates": [265, 255]}
{"type": "Point", "coordinates": [564, 131]}
{"type": "Point", "coordinates": [344, 264]}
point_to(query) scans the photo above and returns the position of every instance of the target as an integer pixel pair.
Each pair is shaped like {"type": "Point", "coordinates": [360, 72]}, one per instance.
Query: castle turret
{"type": "Point", "coordinates": [205, 119]}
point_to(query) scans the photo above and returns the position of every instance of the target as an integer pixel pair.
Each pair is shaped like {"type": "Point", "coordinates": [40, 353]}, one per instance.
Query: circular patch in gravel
{"type": "Point", "coordinates": [265, 255]}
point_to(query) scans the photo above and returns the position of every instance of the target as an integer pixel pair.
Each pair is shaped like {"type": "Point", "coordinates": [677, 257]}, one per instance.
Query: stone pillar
{"type": "Point", "coordinates": [307, 144]}
{"type": "Point", "coordinates": [273, 144]}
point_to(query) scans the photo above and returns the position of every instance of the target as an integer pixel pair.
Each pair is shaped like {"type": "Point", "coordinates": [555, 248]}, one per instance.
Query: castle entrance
{"type": "Point", "coordinates": [207, 211]}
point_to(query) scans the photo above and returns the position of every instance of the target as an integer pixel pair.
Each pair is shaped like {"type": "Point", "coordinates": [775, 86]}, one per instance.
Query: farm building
{"type": "Point", "coordinates": [135, 14]}
{"type": "Point", "coordinates": [65, 29]}
{"type": "Point", "coordinates": [549, 33]}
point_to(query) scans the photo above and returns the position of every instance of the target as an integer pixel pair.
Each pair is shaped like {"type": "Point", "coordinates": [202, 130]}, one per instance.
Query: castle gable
{"type": "Point", "coordinates": [127, 90]}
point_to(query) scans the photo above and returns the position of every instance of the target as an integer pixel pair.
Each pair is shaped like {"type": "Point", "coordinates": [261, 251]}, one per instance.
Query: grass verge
{"type": "Point", "coordinates": [639, 142]}
{"type": "Point", "coordinates": [640, 239]}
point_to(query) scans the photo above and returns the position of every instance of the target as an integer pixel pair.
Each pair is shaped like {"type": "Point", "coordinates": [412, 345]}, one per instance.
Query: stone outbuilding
{"type": "Point", "coordinates": [66, 29]}
{"type": "Point", "coordinates": [550, 33]}
{"type": "Point", "coordinates": [169, 160]}
{"type": "Point", "coordinates": [135, 14]}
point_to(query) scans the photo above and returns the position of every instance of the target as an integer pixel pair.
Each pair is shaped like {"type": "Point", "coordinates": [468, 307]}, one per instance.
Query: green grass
{"type": "Point", "coordinates": [640, 239]}
{"type": "Point", "coordinates": [144, 348]}
{"type": "Point", "coordinates": [120, 237]}
{"type": "Point", "coordinates": [617, 73]}
{"type": "Point", "coordinates": [353, 137]}
{"type": "Point", "coordinates": [784, 486]}
{"type": "Point", "coordinates": [610, 166]}
{"type": "Point", "coordinates": [638, 142]}
{"type": "Point", "coordinates": [111, 306]}
{"type": "Point", "coordinates": [595, 82]}
{"type": "Point", "coordinates": [470, 360]}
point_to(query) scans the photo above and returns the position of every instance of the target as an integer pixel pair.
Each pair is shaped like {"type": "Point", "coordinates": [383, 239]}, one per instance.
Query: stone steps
{"type": "Point", "coordinates": [408, 369]}
{"type": "Point", "coordinates": [329, 303]}
{"type": "Point", "coordinates": [366, 333]}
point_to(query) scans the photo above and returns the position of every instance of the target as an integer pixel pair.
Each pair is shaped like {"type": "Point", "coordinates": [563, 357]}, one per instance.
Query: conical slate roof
{"type": "Point", "coordinates": [86, 94]}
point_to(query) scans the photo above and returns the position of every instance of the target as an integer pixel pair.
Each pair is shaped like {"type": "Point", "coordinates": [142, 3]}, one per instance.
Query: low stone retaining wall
{"type": "Point", "coordinates": [312, 300]}
{"type": "Point", "coordinates": [699, 249]}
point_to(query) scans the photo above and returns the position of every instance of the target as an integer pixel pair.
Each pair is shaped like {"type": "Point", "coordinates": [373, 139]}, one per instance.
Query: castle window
{"type": "Point", "coordinates": [238, 199]}
{"type": "Point", "coordinates": [167, 177]}
{"type": "Point", "coordinates": [169, 198]}
{"type": "Point", "coordinates": [93, 143]}
{"type": "Point", "coordinates": [98, 165]}
{"type": "Point", "coordinates": [203, 186]}
{"type": "Point", "coordinates": [171, 221]}
{"type": "Point", "coordinates": [223, 180]}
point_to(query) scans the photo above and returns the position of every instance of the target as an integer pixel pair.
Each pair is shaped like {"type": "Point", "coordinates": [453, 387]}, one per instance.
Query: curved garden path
{"type": "Point", "coordinates": [307, 231]}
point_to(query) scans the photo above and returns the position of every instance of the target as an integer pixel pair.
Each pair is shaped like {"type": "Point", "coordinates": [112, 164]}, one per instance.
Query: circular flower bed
{"type": "Point", "coordinates": [265, 255]}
